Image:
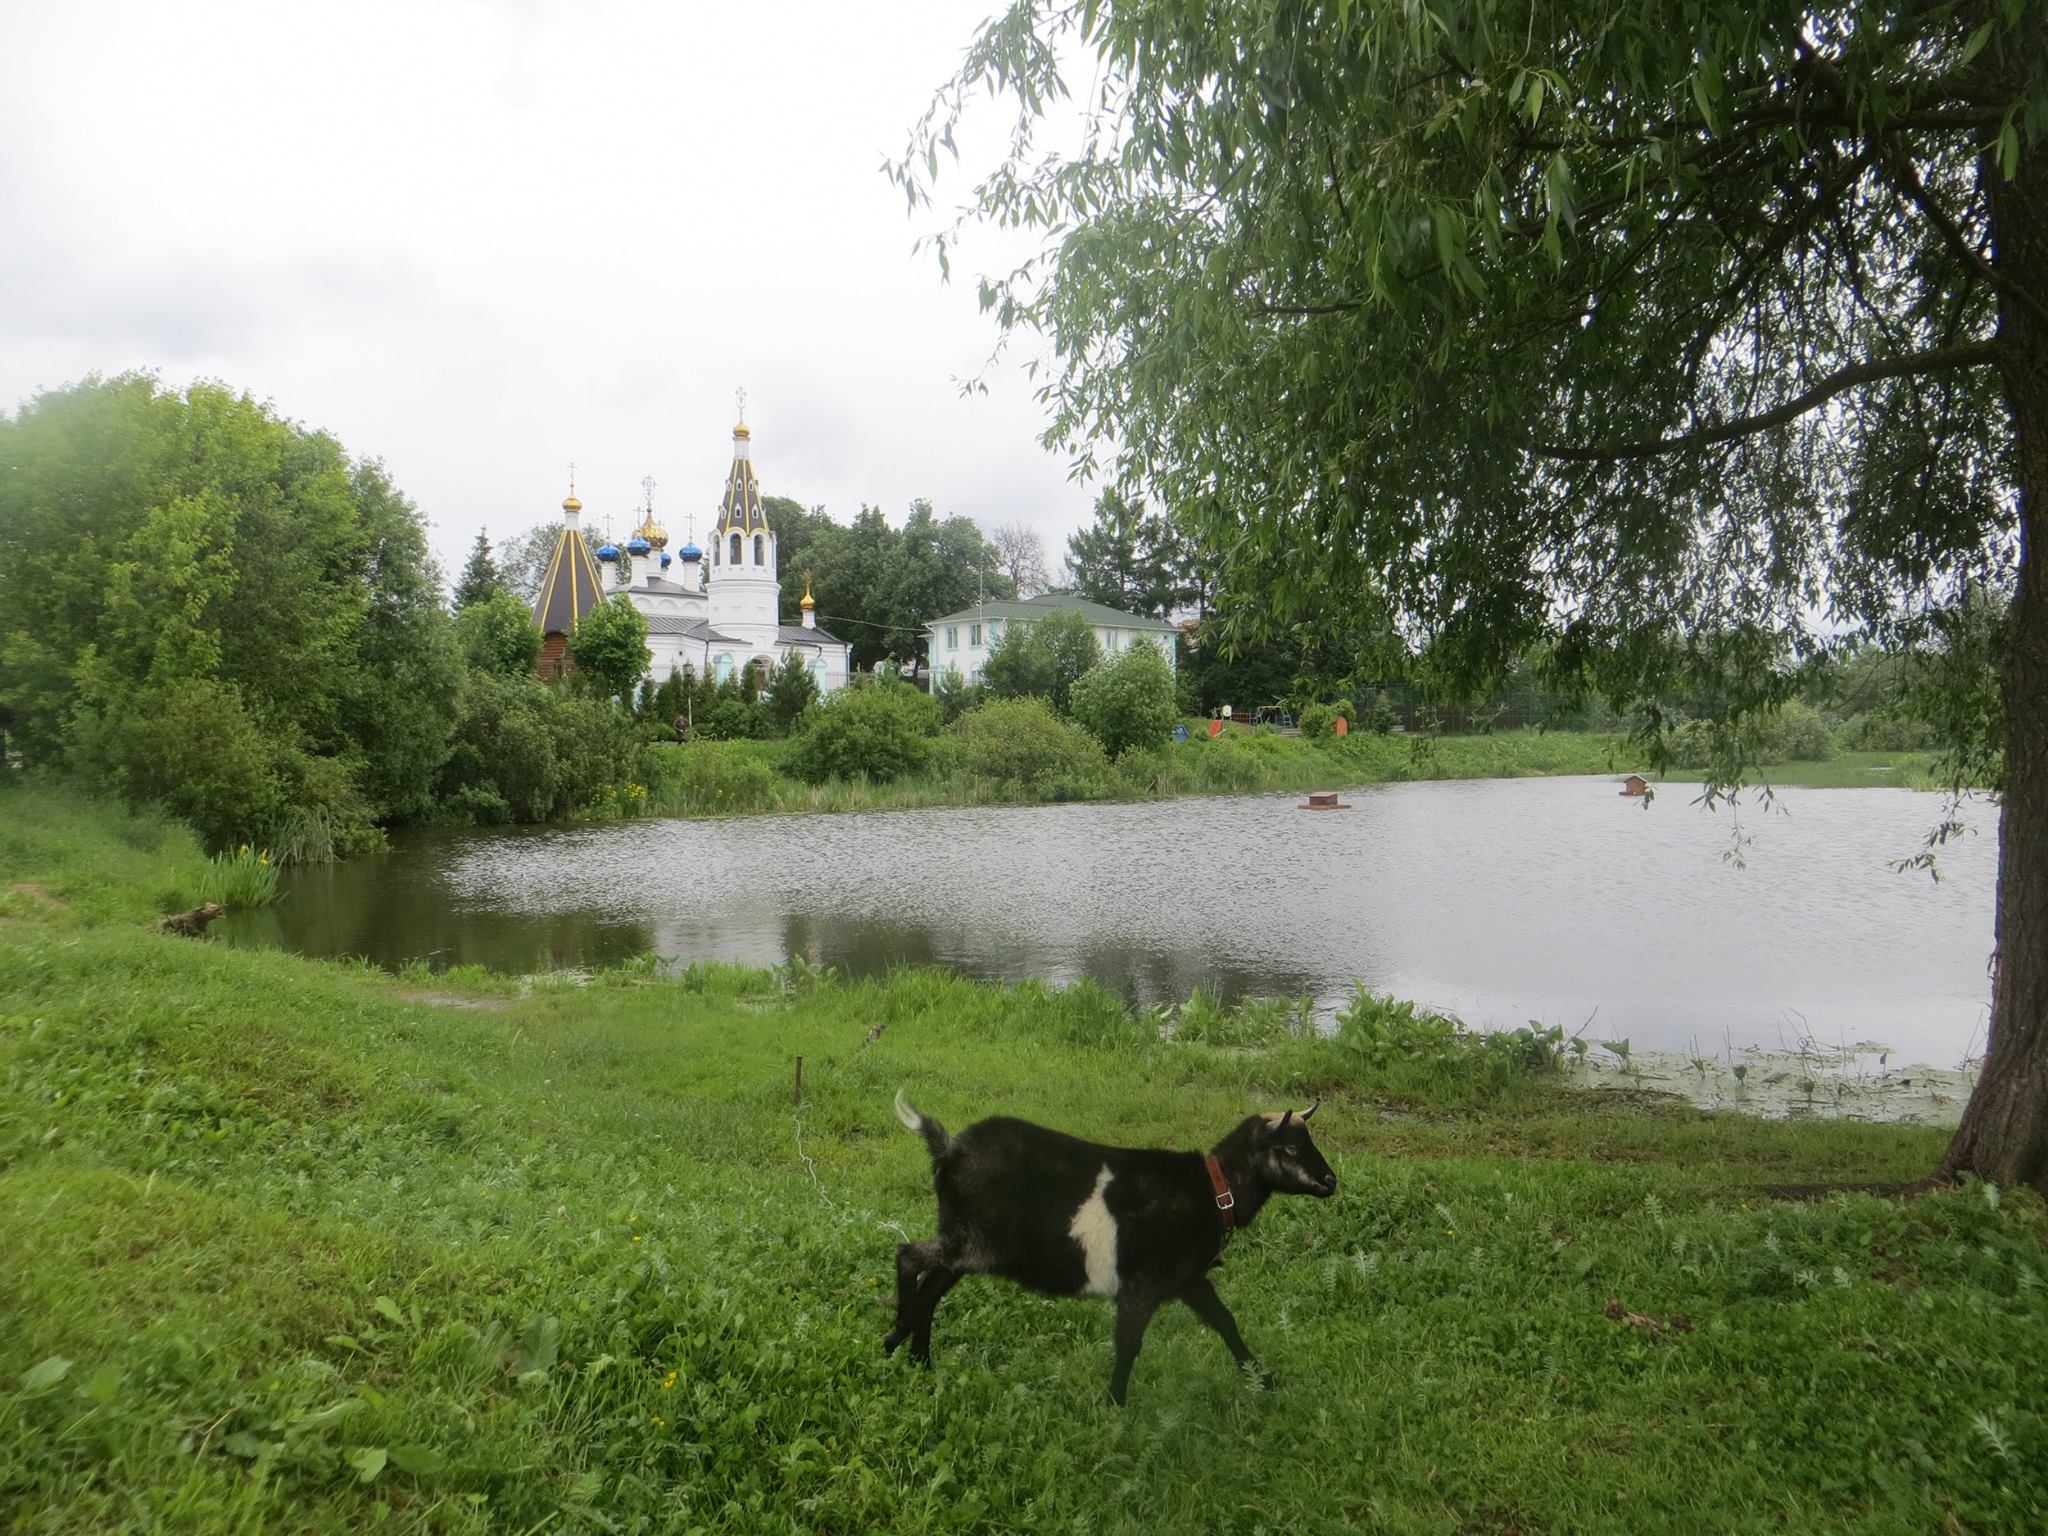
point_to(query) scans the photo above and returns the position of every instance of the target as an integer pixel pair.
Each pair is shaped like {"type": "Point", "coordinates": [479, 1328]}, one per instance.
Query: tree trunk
{"type": "Point", "coordinates": [2003, 1137]}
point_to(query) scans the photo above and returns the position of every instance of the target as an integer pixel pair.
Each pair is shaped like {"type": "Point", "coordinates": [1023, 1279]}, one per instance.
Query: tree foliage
{"type": "Point", "coordinates": [190, 562]}
{"type": "Point", "coordinates": [497, 634]}
{"type": "Point", "coordinates": [1134, 560]}
{"type": "Point", "coordinates": [610, 648]}
{"type": "Point", "coordinates": [881, 584]}
{"type": "Point", "coordinates": [1127, 701]}
{"type": "Point", "coordinates": [790, 692]}
{"type": "Point", "coordinates": [480, 577]}
{"type": "Point", "coordinates": [528, 750]}
{"type": "Point", "coordinates": [1041, 658]}
{"type": "Point", "coordinates": [1673, 341]}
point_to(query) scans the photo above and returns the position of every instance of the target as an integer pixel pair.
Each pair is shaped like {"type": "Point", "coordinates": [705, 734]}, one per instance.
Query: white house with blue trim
{"type": "Point", "coordinates": [960, 642]}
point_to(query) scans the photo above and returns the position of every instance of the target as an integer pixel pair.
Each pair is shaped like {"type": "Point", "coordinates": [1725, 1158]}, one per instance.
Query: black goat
{"type": "Point", "coordinates": [1071, 1218]}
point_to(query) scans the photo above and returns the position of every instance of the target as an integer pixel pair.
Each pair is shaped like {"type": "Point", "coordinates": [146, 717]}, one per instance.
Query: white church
{"type": "Point", "coordinates": [709, 613]}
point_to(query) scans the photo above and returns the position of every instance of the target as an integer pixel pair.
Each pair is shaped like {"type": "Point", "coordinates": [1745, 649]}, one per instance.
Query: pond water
{"type": "Point", "coordinates": [1500, 900]}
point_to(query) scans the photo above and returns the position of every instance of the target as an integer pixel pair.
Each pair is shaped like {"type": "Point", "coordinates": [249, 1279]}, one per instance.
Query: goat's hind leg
{"type": "Point", "coordinates": [915, 1262]}
{"type": "Point", "coordinates": [930, 1293]}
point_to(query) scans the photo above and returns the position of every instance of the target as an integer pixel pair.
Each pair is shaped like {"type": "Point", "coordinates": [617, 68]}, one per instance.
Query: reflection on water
{"type": "Point", "coordinates": [1503, 900]}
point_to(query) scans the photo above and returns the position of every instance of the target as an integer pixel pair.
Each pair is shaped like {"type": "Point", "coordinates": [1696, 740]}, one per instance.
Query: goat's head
{"type": "Point", "coordinates": [1287, 1158]}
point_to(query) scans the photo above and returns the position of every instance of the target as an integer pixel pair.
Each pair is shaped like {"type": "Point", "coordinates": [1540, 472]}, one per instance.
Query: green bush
{"type": "Point", "coordinates": [527, 750]}
{"type": "Point", "coordinates": [1880, 732]}
{"type": "Point", "coordinates": [1021, 745]}
{"type": "Point", "coordinates": [1127, 702]}
{"type": "Point", "coordinates": [1319, 721]}
{"type": "Point", "coordinates": [879, 730]}
{"type": "Point", "coordinates": [1795, 734]}
{"type": "Point", "coordinates": [956, 696]}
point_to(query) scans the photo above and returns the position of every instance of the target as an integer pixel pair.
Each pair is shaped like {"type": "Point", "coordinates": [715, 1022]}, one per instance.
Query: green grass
{"type": "Point", "coordinates": [1848, 770]}
{"type": "Point", "coordinates": [283, 1249]}
{"type": "Point", "coordinates": [745, 777]}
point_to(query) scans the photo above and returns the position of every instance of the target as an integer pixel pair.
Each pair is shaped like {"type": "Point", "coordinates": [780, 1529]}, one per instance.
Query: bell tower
{"type": "Point", "coordinates": [746, 595]}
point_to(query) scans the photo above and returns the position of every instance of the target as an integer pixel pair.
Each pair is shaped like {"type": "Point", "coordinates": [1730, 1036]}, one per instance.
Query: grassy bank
{"type": "Point", "coordinates": [288, 1247]}
{"type": "Point", "coordinates": [740, 777]}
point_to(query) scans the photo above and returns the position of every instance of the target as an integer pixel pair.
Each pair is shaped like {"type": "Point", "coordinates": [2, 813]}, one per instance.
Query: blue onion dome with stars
{"type": "Point", "coordinates": [666, 557]}
{"type": "Point", "coordinates": [637, 546]}
{"type": "Point", "coordinates": [608, 552]}
{"type": "Point", "coordinates": [690, 552]}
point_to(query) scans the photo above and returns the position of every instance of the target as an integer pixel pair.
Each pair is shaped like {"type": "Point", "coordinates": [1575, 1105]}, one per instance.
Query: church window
{"type": "Point", "coordinates": [734, 557]}
{"type": "Point", "coordinates": [724, 665]}
{"type": "Point", "coordinates": [760, 549]}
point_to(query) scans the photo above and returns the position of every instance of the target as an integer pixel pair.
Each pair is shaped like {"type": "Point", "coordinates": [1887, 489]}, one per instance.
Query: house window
{"type": "Point", "coordinates": [995, 630]}
{"type": "Point", "coordinates": [952, 637]}
{"type": "Point", "coordinates": [974, 634]}
{"type": "Point", "coordinates": [760, 549]}
{"type": "Point", "coordinates": [734, 557]}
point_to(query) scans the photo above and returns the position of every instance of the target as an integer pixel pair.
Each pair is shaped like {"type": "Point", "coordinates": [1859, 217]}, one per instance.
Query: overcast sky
{"type": "Point", "coordinates": [479, 240]}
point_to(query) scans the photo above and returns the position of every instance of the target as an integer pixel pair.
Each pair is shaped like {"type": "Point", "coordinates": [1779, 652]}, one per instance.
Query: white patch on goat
{"type": "Point", "coordinates": [1095, 1230]}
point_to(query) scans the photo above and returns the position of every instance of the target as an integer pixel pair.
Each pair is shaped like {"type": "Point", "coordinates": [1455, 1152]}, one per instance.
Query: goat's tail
{"type": "Point", "coordinates": [935, 1138]}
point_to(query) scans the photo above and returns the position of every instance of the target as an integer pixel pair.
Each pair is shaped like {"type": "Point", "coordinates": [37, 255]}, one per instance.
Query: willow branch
{"type": "Point", "coordinates": [1975, 354]}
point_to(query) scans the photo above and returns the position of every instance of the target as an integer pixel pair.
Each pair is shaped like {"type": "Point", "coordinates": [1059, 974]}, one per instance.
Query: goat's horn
{"type": "Point", "coordinates": [1311, 1109]}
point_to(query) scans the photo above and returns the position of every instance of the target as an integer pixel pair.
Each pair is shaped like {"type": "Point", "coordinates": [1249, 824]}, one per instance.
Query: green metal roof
{"type": "Point", "coordinates": [1028, 608]}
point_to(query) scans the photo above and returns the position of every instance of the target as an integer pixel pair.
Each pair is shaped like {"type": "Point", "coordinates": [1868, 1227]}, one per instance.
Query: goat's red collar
{"type": "Point", "coordinates": [1226, 1202]}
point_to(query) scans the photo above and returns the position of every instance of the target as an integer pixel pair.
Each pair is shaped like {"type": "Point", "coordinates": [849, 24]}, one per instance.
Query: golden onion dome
{"type": "Point", "coordinates": [571, 504]}
{"type": "Point", "coordinates": [809, 602]}
{"type": "Point", "coordinates": [654, 533]}
{"type": "Point", "coordinates": [742, 430]}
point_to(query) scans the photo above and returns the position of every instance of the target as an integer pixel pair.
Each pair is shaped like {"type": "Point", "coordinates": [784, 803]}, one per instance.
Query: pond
{"type": "Point", "coordinates": [1500, 900]}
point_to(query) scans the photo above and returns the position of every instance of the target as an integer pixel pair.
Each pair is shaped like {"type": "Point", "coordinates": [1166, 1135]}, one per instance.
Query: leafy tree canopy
{"type": "Point", "coordinates": [610, 648]}
{"type": "Point", "coordinates": [498, 634]}
{"type": "Point", "coordinates": [1127, 701]}
{"type": "Point", "coordinates": [1678, 339]}
{"type": "Point", "coordinates": [1042, 658]}
{"type": "Point", "coordinates": [188, 562]}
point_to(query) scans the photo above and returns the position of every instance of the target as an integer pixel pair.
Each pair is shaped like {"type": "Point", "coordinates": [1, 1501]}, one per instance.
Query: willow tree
{"type": "Point", "coordinates": [1673, 339]}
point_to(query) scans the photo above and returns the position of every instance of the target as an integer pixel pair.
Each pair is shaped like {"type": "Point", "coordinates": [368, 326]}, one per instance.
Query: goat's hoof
{"type": "Point", "coordinates": [890, 1340]}
{"type": "Point", "coordinates": [1268, 1381]}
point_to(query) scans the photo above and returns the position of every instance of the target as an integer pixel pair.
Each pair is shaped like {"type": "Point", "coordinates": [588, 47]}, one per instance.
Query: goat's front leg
{"type": "Point", "coordinates": [1133, 1317]}
{"type": "Point", "coordinates": [1208, 1306]}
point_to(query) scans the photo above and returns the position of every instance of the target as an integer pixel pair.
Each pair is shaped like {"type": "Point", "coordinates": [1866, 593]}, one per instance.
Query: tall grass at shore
{"type": "Point", "coordinates": [286, 1248]}
{"type": "Point", "coordinates": [745, 777]}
